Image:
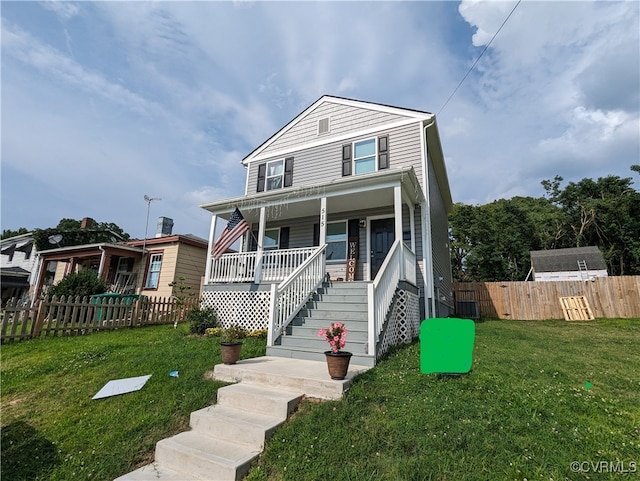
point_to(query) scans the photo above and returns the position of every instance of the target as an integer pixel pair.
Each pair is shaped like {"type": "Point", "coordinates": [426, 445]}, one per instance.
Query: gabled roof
{"type": "Point", "coordinates": [566, 260]}
{"type": "Point", "coordinates": [417, 115]}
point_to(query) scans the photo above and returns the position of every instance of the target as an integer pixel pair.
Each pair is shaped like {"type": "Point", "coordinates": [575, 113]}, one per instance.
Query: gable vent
{"type": "Point", "coordinates": [323, 126]}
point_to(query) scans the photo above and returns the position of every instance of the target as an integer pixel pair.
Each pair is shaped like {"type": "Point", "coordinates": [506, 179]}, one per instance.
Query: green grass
{"type": "Point", "coordinates": [53, 430]}
{"type": "Point", "coordinates": [525, 412]}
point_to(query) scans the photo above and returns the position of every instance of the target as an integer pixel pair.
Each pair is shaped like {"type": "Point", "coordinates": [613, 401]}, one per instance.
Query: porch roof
{"type": "Point", "coordinates": [343, 195]}
{"type": "Point", "coordinates": [90, 250]}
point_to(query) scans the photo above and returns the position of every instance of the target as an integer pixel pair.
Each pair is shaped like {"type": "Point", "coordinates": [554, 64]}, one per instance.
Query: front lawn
{"type": "Point", "coordinates": [53, 430]}
{"type": "Point", "coordinates": [540, 396]}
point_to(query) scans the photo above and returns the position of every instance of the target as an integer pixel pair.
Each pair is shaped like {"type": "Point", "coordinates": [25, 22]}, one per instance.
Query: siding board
{"type": "Point", "coordinates": [323, 163]}
{"type": "Point", "coordinates": [344, 119]}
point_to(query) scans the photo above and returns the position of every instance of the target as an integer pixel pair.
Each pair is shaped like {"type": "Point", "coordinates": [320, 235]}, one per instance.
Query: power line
{"type": "Point", "coordinates": [478, 59]}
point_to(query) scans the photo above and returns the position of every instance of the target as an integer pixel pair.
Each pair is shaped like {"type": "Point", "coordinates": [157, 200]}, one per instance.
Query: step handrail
{"type": "Point", "coordinates": [292, 294]}
{"type": "Point", "coordinates": [381, 292]}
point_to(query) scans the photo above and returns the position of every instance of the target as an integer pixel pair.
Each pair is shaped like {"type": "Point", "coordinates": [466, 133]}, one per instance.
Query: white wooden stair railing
{"type": "Point", "coordinates": [399, 264]}
{"type": "Point", "coordinates": [288, 297]}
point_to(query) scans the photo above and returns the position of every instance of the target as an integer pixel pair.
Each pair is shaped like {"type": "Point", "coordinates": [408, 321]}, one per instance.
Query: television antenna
{"type": "Point", "coordinates": [148, 200]}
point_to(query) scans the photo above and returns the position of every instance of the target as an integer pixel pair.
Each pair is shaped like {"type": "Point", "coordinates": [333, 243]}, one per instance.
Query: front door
{"type": "Point", "coordinates": [382, 237]}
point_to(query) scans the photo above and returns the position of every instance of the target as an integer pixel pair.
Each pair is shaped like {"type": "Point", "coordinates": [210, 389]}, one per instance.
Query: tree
{"type": "Point", "coordinates": [6, 233]}
{"type": "Point", "coordinates": [492, 242]}
{"type": "Point", "coordinates": [604, 213]}
{"type": "Point", "coordinates": [72, 234]}
{"type": "Point", "coordinates": [85, 282]}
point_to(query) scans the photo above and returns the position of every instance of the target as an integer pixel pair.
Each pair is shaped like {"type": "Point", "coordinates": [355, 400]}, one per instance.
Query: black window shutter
{"type": "Point", "coordinates": [284, 237]}
{"type": "Point", "coordinates": [354, 227]}
{"type": "Point", "coordinates": [383, 152]}
{"type": "Point", "coordinates": [288, 172]}
{"type": "Point", "coordinates": [254, 242]}
{"type": "Point", "coordinates": [316, 234]}
{"type": "Point", "coordinates": [346, 160]}
{"type": "Point", "coordinates": [262, 172]}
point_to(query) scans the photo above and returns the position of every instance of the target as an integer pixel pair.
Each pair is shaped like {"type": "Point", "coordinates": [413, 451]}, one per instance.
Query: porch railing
{"type": "Point", "coordinates": [288, 297]}
{"type": "Point", "coordinates": [275, 265]}
{"type": "Point", "coordinates": [400, 264]}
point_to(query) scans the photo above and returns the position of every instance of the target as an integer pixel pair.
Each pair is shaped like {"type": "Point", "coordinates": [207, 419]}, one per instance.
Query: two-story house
{"type": "Point", "coordinates": [347, 206]}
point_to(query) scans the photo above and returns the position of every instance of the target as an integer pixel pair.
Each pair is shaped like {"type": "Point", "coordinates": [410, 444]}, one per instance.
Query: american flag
{"type": "Point", "coordinates": [236, 227]}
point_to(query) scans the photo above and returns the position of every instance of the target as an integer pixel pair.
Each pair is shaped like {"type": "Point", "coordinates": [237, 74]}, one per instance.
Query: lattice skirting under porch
{"type": "Point", "coordinates": [404, 322]}
{"type": "Point", "coordinates": [246, 309]}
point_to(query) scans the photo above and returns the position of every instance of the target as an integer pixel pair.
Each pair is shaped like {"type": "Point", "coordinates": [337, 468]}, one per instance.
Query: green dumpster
{"type": "Point", "coordinates": [104, 313]}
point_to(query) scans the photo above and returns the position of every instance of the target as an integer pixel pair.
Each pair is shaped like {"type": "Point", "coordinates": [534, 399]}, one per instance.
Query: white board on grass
{"type": "Point", "coordinates": [121, 386]}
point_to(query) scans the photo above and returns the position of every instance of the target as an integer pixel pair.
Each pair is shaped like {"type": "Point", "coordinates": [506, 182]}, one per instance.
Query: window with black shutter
{"type": "Point", "coordinates": [262, 170]}
{"type": "Point", "coordinates": [346, 160]}
{"type": "Point", "coordinates": [288, 171]}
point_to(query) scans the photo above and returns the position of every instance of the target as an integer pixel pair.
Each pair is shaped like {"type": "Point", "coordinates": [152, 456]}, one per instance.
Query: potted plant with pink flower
{"type": "Point", "coordinates": [337, 360]}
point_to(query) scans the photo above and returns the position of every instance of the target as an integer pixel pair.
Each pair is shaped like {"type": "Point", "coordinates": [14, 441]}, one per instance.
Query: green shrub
{"type": "Point", "coordinates": [85, 282]}
{"type": "Point", "coordinates": [201, 319]}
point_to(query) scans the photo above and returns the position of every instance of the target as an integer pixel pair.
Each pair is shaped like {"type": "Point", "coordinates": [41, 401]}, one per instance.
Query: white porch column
{"type": "Point", "coordinates": [212, 233]}
{"type": "Point", "coordinates": [260, 249]}
{"type": "Point", "coordinates": [412, 221]}
{"type": "Point", "coordinates": [323, 221]}
{"type": "Point", "coordinates": [397, 212]}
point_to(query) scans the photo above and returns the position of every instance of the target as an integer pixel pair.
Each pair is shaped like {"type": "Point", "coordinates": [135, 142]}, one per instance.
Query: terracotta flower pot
{"type": "Point", "coordinates": [230, 352]}
{"type": "Point", "coordinates": [338, 363]}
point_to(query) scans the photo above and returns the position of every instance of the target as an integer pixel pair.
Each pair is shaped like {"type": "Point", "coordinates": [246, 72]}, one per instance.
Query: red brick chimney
{"type": "Point", "coordinates": [87, 223]}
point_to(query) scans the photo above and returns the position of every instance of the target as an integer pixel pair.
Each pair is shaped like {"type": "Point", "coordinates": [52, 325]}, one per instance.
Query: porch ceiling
{"type": "Point", "coordinates": [343, 195]}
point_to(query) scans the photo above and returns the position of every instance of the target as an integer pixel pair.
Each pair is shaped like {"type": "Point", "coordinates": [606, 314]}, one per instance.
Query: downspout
{"type": "Point", "coordinates": [428, 254]}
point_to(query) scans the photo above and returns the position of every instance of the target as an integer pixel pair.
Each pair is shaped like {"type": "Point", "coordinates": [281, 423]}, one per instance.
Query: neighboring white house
{"type": "Point", "coordinates": [346, 191]}
{"type": "Point", "coordinates": [572, 264]}
{"type": "Point", "coordinates": [18, 266]}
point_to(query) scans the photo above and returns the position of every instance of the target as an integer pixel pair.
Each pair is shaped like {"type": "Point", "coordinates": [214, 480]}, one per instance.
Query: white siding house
{"type": "Point", "coordinates": [344, 175]}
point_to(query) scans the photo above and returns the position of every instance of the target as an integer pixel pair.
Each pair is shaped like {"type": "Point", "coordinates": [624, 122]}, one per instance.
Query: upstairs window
{"type": "Point", "coordinates": [153, 273]}
{"type": "Point", "coordinates": [364, 156]}
{"type": "Point", "coordinates": [275, 174]}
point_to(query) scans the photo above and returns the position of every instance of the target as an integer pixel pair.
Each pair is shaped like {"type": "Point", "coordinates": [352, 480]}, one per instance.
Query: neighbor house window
{"type": "Point", "coordinates": [364, 156]}
{"type": "Point", "coordinates": [337, 241]}
{"type": "Point", "coordinates": [153, 273]}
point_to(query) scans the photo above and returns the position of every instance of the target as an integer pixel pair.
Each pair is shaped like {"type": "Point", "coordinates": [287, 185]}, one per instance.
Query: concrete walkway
{"type": "Point", "coordinates": [227, 437]}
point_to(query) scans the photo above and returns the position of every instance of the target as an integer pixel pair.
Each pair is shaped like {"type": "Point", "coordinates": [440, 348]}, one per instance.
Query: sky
{"type": "Point", "coordinates": [106, 102]}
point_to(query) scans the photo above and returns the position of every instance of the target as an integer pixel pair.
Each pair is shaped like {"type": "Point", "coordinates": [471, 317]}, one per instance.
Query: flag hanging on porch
{"type": "Point", "coordinates": [236, 227]}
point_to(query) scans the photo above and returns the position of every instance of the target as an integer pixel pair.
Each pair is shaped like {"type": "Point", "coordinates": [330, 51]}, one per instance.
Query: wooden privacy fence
{"type": "Point", "coordinates": [609, 297]}
{"type": "Point", "coordinates": [76, 315]}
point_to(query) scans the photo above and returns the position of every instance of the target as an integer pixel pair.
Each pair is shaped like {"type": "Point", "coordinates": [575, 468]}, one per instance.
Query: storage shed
{"type": "Point", "coordinates": [573, 264]}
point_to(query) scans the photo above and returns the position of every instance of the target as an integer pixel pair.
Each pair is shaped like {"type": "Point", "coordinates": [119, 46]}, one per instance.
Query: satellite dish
{"type": "Point", "coordinates": [55, 239]}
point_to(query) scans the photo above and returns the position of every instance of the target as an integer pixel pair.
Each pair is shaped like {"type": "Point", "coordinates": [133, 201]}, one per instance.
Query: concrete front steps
{"type": "Point", "coordinates": [337, 301]}
{"type": "Point", "coordinates": [226, 437]}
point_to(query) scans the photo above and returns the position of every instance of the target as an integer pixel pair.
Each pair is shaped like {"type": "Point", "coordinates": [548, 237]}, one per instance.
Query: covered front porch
{"type": "Point", "coordinates": [357, 218]}
{"type": "Point", "coordinates": [365, 229]}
